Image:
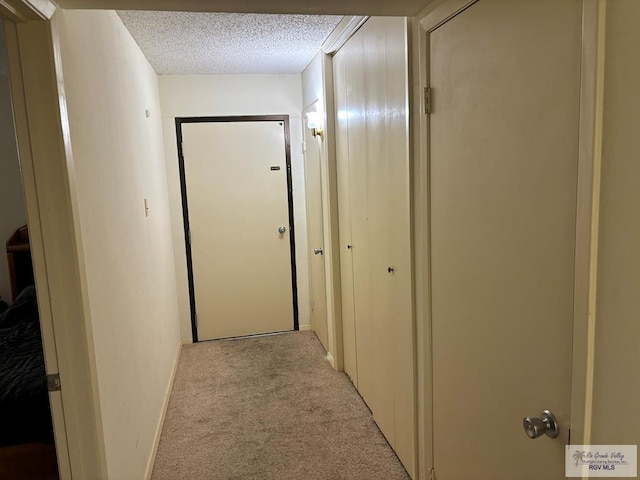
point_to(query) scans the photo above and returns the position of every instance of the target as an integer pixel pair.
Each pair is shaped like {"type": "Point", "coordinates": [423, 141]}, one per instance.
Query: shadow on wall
{"type": "Point", "coordinates": [12, 212]}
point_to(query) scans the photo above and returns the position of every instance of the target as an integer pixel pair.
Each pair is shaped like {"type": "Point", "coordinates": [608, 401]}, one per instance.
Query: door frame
{"type": "Point", "coordinates": [589, 160]}
{"type": "Point", "coordinates": [46, 161]}
{"type": "Point", "coordinates": [185, 204]}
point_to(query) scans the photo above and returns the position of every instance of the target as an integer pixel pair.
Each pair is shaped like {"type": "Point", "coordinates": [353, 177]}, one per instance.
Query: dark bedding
{"type": "Point", "coordinates": [24, 402]}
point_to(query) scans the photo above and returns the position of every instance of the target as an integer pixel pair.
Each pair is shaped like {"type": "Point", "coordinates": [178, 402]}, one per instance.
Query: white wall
{"type": "Point", "coordinates": [12, 212]}
{"type": "Point", "coordinates": [617, 350]}
{"type": "Point", "coordinates": [313, 82]}
{"type": "Point", "coordinates": [119, 160]}
{"type": "Point", "coordinates": [221, 95]}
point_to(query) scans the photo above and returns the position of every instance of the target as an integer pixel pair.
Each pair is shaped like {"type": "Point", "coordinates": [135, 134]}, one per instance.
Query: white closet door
{"type": "Point", "coordinates": [503, 170]}
{"type": "Point", "coordinates": [373, 164]}
{"type": "Point", "coordinates": [349, 332]}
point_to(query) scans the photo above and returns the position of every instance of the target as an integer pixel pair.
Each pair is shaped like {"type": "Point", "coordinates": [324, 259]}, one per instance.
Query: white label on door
{"type": "Point", "coordinates": [590, 461]}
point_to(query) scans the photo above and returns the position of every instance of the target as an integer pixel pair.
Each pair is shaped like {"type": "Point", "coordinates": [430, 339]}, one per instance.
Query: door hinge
{"type": "Point", "coordinates": [427, 100]}
{"type": "Point", "coordinates": [182, 148]}
{"type": "Point", "coordinates": [195, 319]}
{"type": "Point", "coordinates": [189, 237]}
{"type": "Point", "coordinates": [431, 474]}
{"type": "Point", "coordinates": [53, 382]}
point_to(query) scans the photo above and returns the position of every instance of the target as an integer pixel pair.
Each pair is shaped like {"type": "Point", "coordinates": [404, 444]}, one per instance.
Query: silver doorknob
{"type": "Point", "coordinates": [546, 423]}
{"type": "Point", "coordinates": [282, 230]}
{"type": "Point", "coordinates": [318, 251]}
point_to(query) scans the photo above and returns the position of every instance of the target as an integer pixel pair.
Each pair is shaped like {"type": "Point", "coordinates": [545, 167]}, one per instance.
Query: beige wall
{"type": "Point", "coordinates": [312, 82]}
{"type": "Point", "coordinates": [222, 95]}
{"type": "Point", "coordinates": [12, 212]}
{"type": "Point", "coordinates": [119, 161]}
{"type": "Point", "coordinates": [617, 350]}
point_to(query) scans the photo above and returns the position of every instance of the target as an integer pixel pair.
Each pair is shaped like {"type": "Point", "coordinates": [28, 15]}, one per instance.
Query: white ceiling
{"type": "Point", "coordinates": [183, 43]}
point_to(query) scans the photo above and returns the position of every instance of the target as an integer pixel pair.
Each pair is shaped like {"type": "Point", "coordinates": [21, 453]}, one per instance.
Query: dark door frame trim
{"type": "Point", "coordinates": [185, 206]}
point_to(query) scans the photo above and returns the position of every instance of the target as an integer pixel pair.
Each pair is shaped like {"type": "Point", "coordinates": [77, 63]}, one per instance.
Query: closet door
{"type": "Point", "coordinates": [365, 334]}
{"type": "Point", "coordinates": [378, 223]}
{"type": "Point", "coordinates": [371, 84]}
{"type": "Point", "coordinates": [360, 338]}
{"type": "Point", "coordinates": [503, 166]}
{"type": "Point", "coordinates": [401, 318]}
{"type": "Point", "coordinates": [344, 218]}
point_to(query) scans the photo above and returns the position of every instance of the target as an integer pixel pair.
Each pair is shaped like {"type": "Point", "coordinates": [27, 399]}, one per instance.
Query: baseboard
{"type": "Point", "coordinates": [187, 340]}
{"type": "Point", "coordinates": [304, 328]}
{"type": "Point", "coordinates": [332, 362]}
{"type": "Point", "coordinates": [167, 395]}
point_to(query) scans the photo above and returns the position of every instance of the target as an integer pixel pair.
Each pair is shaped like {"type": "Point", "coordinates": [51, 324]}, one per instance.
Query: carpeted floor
{"type": "Point", "coordinates": [268, 408]}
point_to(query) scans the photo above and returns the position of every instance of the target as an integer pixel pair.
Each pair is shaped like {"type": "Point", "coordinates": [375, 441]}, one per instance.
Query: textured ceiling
{"type": "Point", "coordinates": [183, 43]}
{"type": "Point", "coordinates": [315, 7]}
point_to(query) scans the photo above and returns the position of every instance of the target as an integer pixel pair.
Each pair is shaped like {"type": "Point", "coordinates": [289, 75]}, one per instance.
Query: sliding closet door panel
{"type": "Point", "coordinates": [371, 77]}
{"type": "Point", "coordinates": [344, 219]}
{"type": "Point", "coordinates": [400, 239]}
{"type": "Point", "coordinates": [379, 223]}
{"type": "Point", "coordinates": [365, 338]}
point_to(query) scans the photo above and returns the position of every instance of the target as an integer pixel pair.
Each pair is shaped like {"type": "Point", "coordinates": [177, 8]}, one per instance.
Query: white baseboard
{"type": "Point", "coordinates": [167, 395]}
{"type": "Point", "coordinates": [187, 340]}
{"type": "Point", "coordinates": [332, 362]}
{"type": "Point", "coordinates": [304, 328]}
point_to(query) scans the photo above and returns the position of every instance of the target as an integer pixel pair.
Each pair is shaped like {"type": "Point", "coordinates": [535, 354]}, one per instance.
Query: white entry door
{"type": "Point", "coordinates": [239, 221]}
{"type": "Point", "coordinates": [505, 80]}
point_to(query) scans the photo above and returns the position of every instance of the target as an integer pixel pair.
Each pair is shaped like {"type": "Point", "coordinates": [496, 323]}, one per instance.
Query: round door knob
{"type": "Point", "coordinates": [282, 230]}
{"type": "Point", "coordinates": [391, 269]}
{"type": "Point", "coordinates": [545, 424]}
{"type": "Point", "coordinates": [534, 427]}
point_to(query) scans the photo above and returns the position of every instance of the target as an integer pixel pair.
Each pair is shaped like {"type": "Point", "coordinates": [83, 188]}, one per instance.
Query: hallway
{"type": "Point", "coordinates": [268, 407]}
{"type": "Point", "coordinates": [459, 175]}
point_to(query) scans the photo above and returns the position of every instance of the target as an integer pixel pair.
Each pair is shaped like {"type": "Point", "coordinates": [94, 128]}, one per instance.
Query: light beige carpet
{"type": "Point", "coordinates": [268, 408]}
